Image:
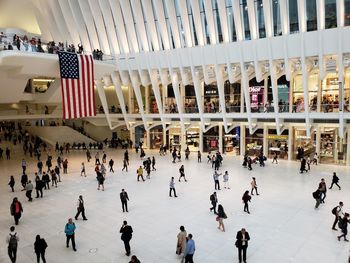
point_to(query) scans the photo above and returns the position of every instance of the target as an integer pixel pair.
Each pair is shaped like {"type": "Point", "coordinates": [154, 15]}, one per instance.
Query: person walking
{"type": "Point", "coordinates": [242, 244]}
{"type": "Point", "coordinates": [199, 157]}
{"type": "Point", "coordinates": [82, 172]}
{"type": "Point", "coordinates": [80, 208]}
{"type": "Point", "coordinates": [46, 180]}
{"type": "Point", "coordinates": [126, 156]}
{"type": "Point", "coordinates": [337, 212]}
{"type": "Point", "coordinates": [70, 233]}
{"type": "Point", "coordinates": [254, 186]}
{"type": "Point", "coordinates": [335, 180]}
{"type": "Point", "coordinates": [126, 236]}
{"type": "Point", "coordinates": [125, 165]}
{"type": "Point", "coordinates": [343, 225]}
{"type": "Point", "coordinates": [323, 188]}
{"type": "Point", "coordinates": [40, 246]}
{"type": "Point", "coordinates": [53, 178]}
{"type": "Point", "coordinates": [246, 198]}
{"type": "Point", "coordinates": [16, 210]}
{"type": "Point", "coordinates": [249, 161]}
{"type": "Point", "coordinates": [225, 177]}
{"type": "Point", "coordinates": [216, 180]}
{"type": "Point", "coordinates": [134, 259]}
{"type": "Point", "coordinates": [124, 198]}
{"type": "Point", "coordinates": [100, 180]}
{"type": "Point", "coordinates": [220, 218]}
{"type": "Point", "coordinates": [213, 201]}
{"type": "Point", "coordinates": [181, 241]}
{"type": "Point", "coordinates": [140, 174]}
{"type": "Point", "coordinates": [24, 180]}
{"type": "Point", "coordinates": [97, 159]}
{"type": "Point", "coordinates": [65, 166]}
{"type": "Point", "coordinates": [12, 240]}
{"type": "Point", "coordinates": [172, 187]}
{"type": "Point", "coordinates": [111, 163]}
{"type": "Point", "coordinates": [308, 162]}
{"type": "Point", "coordinates": [57, 171]}
{"type": "Point", "coordinates": [153, 164]}
{"type": "Point", "coordinates": [104, 157]}
{"type": "Point", "coordinates": [303, 165]}
{"type": "Point", "coordinates": [317, 195]}
{"type": "Point", "coordinates": [12, 183]}
{"type": "Point", "coordinates": [29, 189]}
{"type": "Point", "coordinates": [275, 156]}
{"type": "Point", "coordinates": [40, 167]}
{"type": "Point", "coordinates": [39, 185]}
{"type": "Point", "coordinates": [190, 249]}
{"type": "Point", "coordinates": [182, 173]}
{"type": "Point", "coordinates": [24, 165]}
{"type": "Point", "coordinates": [88, 155]}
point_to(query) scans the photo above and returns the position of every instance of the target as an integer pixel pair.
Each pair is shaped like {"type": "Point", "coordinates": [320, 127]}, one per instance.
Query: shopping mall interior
{"type": "Point", "coordinates": [239, 79]}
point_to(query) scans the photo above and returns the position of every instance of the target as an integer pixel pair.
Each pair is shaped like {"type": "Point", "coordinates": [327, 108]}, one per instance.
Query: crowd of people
{"type": "Point", "coordinates": [49, 174]}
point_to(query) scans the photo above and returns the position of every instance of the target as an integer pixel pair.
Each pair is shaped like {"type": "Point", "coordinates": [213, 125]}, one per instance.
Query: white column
{"type": "Point", "coordinates": [319, 94]}
{"type": "Point", "coordinates": [148, 139]}
{"type": "Point", "coordinates": [348, 147]}
{"type": "Point", "coordinates": [147, 99]}
{"type": "Point", "coordinates": [220, 138]}
{"type": "Point", "coordinates": [131, 100]}
{"type": "Point", "coordinates": [336, 147]}
{"type": "Point", "coordinates": [183, 140]}
{"type": "Point", "coordinates": [265, 141]}
{"type": "Point", "coordinates": [164, 137]}
{"type": "Point", "coordinates": [290, 142]}
{"type": "Point", "coordinates": [132, 134]}
{"type": "Point", "coordinates": [318, 141]}
{"type": "Point", "coordinates": [242, 140]}
{"type": "Point", "coordinates": [201, 139]}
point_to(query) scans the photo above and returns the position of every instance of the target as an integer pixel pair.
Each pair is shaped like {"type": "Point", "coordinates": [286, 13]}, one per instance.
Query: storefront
{"type": "Point", "coordinates": [254, 142]}
{"type": "Point", "coordinates": [140, 135]}
{"type": "Point", "coordinates": [190, 100]}
{"type": "Point", "coordinates": [232, 96]}
{"type": "Point", "coordinates": [257, 98]}
{"type": "Point", "coordinates": [192, 139]}
{"type": "Point", "coordinates": [232, 141]}
{"type": "Point", "coordinates": [211, 140]}
{"type": "Point", "coordinates": [303, 145]}
{"type": "Point", "coordinates": [211, 98]}
{"type": "Point", "coordinates": [156, 137]}
{"type": "Point", "coordinates": [173, 137]}
{"type": "Point", "coordinates": [277, 144]}
{"type": "Point", "coordinates": [330, 93]}
{"type": "Point", "coordinates": [170, 105]}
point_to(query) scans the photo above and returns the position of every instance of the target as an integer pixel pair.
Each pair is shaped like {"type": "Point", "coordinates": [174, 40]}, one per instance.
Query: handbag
{"type": "Point", "coordinates": [236, 243]}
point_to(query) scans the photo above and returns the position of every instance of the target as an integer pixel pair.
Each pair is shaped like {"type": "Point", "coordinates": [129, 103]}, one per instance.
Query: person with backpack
{"type": "Point", "coordinates": [317, 195]}
{"type": "Point", "coordinates": [126, 236]}
{"type": "Point", "coordinates": [343, 225]}
{"type": "Point", "coordinates": [214, 201]}
{"type": "Point", "coordinates": [70, 231]}
{"type": "Point", "coordinates": [80, 208]}
{"type": "Point", "coordinates": [16, 210]}
{"type": "Point", "coordinates": [246, 198]}
{"type": "Point", "coordinates": [335, 181]}
{"type": "Point", "coordinates": [40, 246]}
{"type": "Point", "coordinates": [337, 212]}
{"type": "Point", "coordinates": [12, 240]}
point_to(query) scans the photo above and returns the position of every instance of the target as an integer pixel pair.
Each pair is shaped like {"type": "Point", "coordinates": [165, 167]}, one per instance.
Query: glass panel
{"type": "Point", "coordinates": [293, 16]}
{"type": "Point", "coordinates": [347, 12]}
{"type": "Point", "coordinates": [311, 15]}
{"type": "Point", "coordinates": [276, 13]}
{"type": "Point", "coordinates": [217, 21]}
{"type": "Point", "coordinates": [331, 13]}
{"type": "Point", "coordinates": [245, 18]}
{"type": "Point", "coordinates": [231, 21]}
{"type": "Point", "coordinates": [259, 11]}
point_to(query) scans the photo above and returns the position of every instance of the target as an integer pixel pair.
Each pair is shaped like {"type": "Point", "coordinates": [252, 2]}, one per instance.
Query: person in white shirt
{"type": "Point", "coordinates": [225, 177]}
{"type": "Point", "coordinates": [12, 240]}
{"type": "Point", "coordinates": [254, 186]}
{"type": "Point", "coordinates": [172, 187]}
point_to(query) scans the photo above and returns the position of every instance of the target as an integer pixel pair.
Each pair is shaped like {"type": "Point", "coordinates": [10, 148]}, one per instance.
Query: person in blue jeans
{"type": "Point", "coordinates": [190, 249]}
{"type": "Point", "coordinates": [70, 230]}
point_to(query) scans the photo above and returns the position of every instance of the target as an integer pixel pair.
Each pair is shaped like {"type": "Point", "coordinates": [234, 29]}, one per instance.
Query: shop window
{"type": "Point", "coordinates": [346, 87]}
{"type": "Point", "coordinates": [293, 16]}
{"type": "Point", "coordinates": [190, 100]}
{"type": "Point", "coordinates": [277, 144]}
{"type": "Point", "coordinates": [211, 98]}
{"type": "Point", "coordinates": [192, 139]}
{"type": "Point", "coordinates": [331, 13]}
{"type": "Point", "coordinates": [347, 12]}
{"type": "Point", "coordinates": [283, 94]}
{"type": "Point", "coordinates": [330, 93]}
{"type": "Point", "coordinates": [211, 140]}
{"type": "Point", "coordinates": [303, 145]}
{"type": "Point", "coordinates": [254, 142]}
{"type": "Point", "coordinates": [232, 97]}
{"type": "Point", "coordinates": [156, 137]}
{"type": "Point", "coordinates": [232, 141]}
{"type": "Point", "coordinates": [170, 105]}
{"type": "Point", "coordinates": [257, 100]}
{"type": "Point", "coordinates": [311, 15]}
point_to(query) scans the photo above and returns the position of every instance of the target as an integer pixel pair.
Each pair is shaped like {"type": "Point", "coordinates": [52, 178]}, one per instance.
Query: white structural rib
{"type": "Point", "coordinates": [185, 22]}
{"type": "Point", "coordinates": [129, 22]}
{"type": "Point", "coordinates": [223, 20]}
{"type": "Point", "coordinates": [68, 17]}
{"type": "Point", "coordinates": [285, 32]}
{"type": "Point", "coordinates": [152, 30]}
{"type": "Point", "coordinates": [136, 86]}
{"type": "Point", "coordinates": [81, 27]}
{"type": "Point", "coordinates": [221, 88]}
{"type": "Point", "coordinates": [60, 22]}
{"type": "Point", "coordinates": [89, 23]}
{"type": "Point", "coordinates": [320, 6]}
{"type": "Point", "coordinates": [268, 18]}
{"type": "Point", "coordinates": [100, 26]}
{"type": "Point", "coordinates": [340, 24]}
{"type": "Point", "coordinates": [44, 27]}
{"type": "Point", "coordinates": [238, 19]}
{"type": "Point", "coordinates": [197, 21]}
{"type": "Point", "coordinates": [118, 89]}
{"type": "Point", "coordinates": [210, 21]}
{"type": "Point", "coordinates": [173, 23]}
{"type": "Point", "coordinates": [110, 28]}
{"type": "Point", "coordinates": [140, 25]}
{"type": "Point", "coordinates": [118, 20]}
{"type": "Point", "coordinates": [159, 10]}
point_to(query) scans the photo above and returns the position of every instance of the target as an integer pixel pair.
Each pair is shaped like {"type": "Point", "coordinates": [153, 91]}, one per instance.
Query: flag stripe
{"type": "Point", "coordinates": [77, 85]}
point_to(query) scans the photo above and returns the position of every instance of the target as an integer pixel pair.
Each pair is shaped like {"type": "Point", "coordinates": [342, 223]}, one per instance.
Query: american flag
{"type": "Point", "coordinates": [77, 82]}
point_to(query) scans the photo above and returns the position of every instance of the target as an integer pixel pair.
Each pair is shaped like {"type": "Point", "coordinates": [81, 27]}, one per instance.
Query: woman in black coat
{"type": "Point", "coordinates": [39, 248]}
{"type": "Point", "coordinates": [12, 183]}
{"type": "Point", "coordinates": [246, 198]}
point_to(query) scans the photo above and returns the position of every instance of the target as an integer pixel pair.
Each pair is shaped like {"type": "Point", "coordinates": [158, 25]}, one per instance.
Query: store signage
{"type": "Point", "coordinates": [303, 137]}
{"type": "Point", "coordinates": [277, 137]}
{"type": "Point", "coordinates": [256, 89]}
{"type": "Point", "coordinates": [331, 65]}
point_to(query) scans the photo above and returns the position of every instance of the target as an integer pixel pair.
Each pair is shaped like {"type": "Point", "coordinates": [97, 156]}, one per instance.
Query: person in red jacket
{"type": "Point", "coordinates": [16, 210]}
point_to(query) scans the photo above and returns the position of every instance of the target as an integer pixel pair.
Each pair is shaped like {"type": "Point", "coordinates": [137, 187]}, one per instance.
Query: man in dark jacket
{"type": "Point", "coordinates": [242, 244]}
{"type": "Point", "coordinates": [126, 232]}
{"type": "Point", "coordinates": [124, 198]}
{"type": "Point", "coordinates": [80, 208]}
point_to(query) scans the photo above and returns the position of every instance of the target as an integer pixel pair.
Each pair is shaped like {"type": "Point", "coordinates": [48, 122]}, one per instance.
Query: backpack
{"type": "Point", "coordinates": [334, 210]}
{"type": "Point", "coordinates": [341, 223]}
{"type": "Point", "coordinates": [315, 195]}
{"type": "Point", "coordinates": [13, 241]}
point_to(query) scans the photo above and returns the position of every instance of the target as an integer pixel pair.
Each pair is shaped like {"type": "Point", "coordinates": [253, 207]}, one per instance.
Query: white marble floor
{"type": "Point", "coordinates": [283, 224]}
